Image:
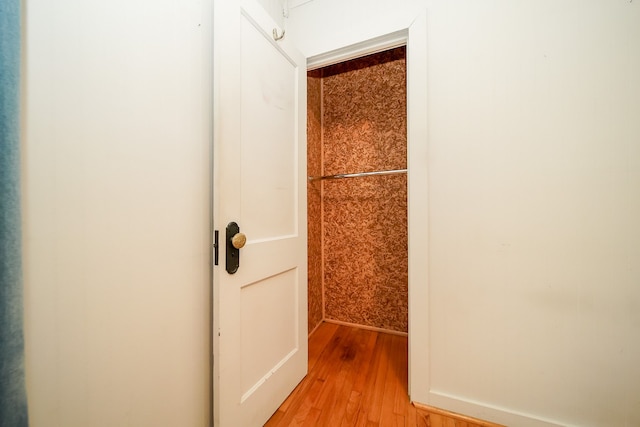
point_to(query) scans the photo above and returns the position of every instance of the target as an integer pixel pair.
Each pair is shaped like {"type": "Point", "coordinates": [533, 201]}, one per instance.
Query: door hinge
{"type": "Point", "coordinates": [215, 247]}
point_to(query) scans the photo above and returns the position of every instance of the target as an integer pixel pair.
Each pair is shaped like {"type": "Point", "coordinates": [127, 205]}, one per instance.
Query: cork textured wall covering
{"type": "Point", "coordinates": [314, 209]}
{"type": "Point", "coordinates": [364, 220]}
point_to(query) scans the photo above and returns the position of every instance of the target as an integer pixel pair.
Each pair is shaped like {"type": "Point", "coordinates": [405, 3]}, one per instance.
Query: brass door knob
{"type": "Point", "coordinates": [238, 240]}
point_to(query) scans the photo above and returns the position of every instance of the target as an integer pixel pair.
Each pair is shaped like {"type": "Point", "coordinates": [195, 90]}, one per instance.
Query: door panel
{"type": "Point", "coordinates": [260, 312]}
{"type": "Point", "coordinates": [269, 311]}
{"type": "Point", "coordinates": [268, 146]}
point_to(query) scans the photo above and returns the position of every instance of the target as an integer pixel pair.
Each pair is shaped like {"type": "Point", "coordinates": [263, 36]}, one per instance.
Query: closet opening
{"type": "Point", "coordinates": [357, 193]}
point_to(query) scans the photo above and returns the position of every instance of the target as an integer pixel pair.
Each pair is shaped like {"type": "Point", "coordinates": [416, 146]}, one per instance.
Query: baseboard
{"type": "Point", "coordinates": [456, 416]}
{"type": "Point", "coordinates": [369, 328]}
{"type": "Point", "coordinates": [501, 416]}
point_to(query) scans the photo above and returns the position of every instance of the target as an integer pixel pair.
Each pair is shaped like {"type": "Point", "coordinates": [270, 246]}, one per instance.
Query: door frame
{"type": "Point", "coordinates": [414, 37]}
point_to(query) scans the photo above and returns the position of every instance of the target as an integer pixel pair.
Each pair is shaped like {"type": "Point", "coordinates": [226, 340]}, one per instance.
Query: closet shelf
{"type": "Point", "coordinates": [357, 175]}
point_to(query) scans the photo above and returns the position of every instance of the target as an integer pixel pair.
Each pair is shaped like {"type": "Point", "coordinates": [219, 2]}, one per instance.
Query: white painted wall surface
{"type": "Point", "coordinates": [116, 212]}
{"type": "Point", "coordinates": [275, 9]}
{"type": "Point", "coordinates": [534, 200]}
{"type": "Point", "coordinates": [320, 26]}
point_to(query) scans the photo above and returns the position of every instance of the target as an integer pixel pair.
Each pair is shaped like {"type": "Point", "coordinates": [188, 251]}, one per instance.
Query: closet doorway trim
{"type": "Point", "coordinates": [414, 36]}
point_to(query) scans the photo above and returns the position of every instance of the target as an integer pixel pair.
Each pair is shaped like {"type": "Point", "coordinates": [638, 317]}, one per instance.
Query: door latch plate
{"type": "Point", "coordinates": [233, 254]}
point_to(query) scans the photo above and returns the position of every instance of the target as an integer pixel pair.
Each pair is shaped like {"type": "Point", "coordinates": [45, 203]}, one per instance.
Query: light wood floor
{"type": "Point", "coordinates": [358, 377]}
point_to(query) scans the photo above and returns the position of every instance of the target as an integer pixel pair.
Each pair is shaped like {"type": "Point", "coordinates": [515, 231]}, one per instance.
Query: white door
{"type": "Point", "coordinates": [260, 311]}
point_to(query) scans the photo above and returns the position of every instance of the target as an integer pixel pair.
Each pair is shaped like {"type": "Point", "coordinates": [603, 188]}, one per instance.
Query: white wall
{"type": "Point", "coordinates": [275, 9]}
{"type": "Point", "coordinates": [534, 200]}
{"type": "Point", "coordinates": [116, 212]}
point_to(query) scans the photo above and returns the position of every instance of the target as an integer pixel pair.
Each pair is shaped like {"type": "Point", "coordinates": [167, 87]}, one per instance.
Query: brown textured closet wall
{"type": "Point", "coordinates": [364, 220]}
{"type": "Point", "coordinates": [314, 207]}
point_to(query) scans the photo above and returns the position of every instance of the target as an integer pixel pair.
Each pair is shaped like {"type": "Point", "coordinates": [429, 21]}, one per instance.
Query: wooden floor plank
{"type": "Point", "coordinates": [316, 382]}
{"type": "Point", "coordinates": [352, 363]}
{"type": "Point", "coordinates": [312, 418]}
{"type": "Point", "coordinates": [393, 385]}
{"type": "Point", "coordinates": [379, 390]}
{"type": "Point", "coordinates": [358, 377]}
{"type": "Point", "coordinates": [275, 418]}
{"type": "Point", "coordinates": [319, 340]}
{"type": "Point", "coordinates": [351, 412]}
{"type": "Point", "coordinates": [333, 400]}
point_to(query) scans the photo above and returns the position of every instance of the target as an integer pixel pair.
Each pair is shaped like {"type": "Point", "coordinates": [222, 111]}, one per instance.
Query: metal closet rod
{"type": "Point", "coordinates": [356, 175]}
